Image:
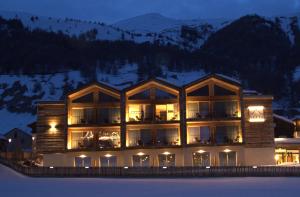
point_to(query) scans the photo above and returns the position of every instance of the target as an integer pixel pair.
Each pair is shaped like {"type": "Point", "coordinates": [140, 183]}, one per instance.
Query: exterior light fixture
{"type": "Point", "coordinates": [201, 151]}
{"type": "Point", "coordinates": [164, 167]}
{"type": "Point", "coordinates": [53, 127]}
{"type": "Point", "coordinates": [227, 150]}
{"type": "Point", "coordinates": [82, 156]}
{"type": "Point", "coordinates": [108, 155]}
{"type": "Point", "coordinates": [51, 167]}
{"type": "Point", "coordinates": [125, 167]}
{"type": "Point", "coordinates": [33, 138]}
{"type": "Point", "coordinates": [86, 167]}
{"type": "Point", "coordinates": [9, 140]}
{"type": "Point", "coordinates": [254, 167]}
{"type": "Point", "coordinates": [256, 114]}
{"type": "Point", "coordinates": [141, 154]}
{"type": "Point", "coordinates": [166, 153]}
{"type": "Point", "coordinates": [207, 167]}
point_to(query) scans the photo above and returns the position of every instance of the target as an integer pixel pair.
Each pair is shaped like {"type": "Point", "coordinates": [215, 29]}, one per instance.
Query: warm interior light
{"type": "Point", "coordinates": [201, 151]}
{"type": "Point", "coordinates": [140, 154]}
{"type": "Point", "coordinates": [276, 157]}
{"type": "Point", "coordinates": [227, 150]}
{"type": "Point", "coordinates": [82, 156]}
{"type": "Point", "coordinates": [256, 113]}
{"type": "Point", "coordinates": [107, 155]}
{"type": "Point", "coordinates": [166, 153]}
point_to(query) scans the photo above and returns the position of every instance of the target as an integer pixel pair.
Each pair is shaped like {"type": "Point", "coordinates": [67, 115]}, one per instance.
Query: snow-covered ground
{"type": "Point", "coordinates": [13, 184]}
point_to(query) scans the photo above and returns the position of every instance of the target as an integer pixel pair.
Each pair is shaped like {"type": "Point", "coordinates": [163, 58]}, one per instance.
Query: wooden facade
{"type": "Point", "coordinates": [209, 113]}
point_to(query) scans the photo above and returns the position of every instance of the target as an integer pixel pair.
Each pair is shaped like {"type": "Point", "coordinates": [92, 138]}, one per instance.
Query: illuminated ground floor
{"type": "Point", "coordinates": [189, 156]}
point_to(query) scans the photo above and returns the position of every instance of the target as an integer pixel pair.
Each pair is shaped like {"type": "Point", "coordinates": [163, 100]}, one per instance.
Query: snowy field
{"type": "Point", "coordinates": [16, 185]}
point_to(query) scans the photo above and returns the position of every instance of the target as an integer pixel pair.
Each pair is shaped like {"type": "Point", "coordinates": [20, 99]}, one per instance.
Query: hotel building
{"type": "Point", "coordinates": [209, 122]}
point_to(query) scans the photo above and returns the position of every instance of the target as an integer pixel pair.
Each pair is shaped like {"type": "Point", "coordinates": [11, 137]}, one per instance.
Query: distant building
{"type": "Point", "coordinates": [209, 122]}
{"type": "Point", "coordinates": [19, 144]}
{"type": "Point", "coordinates": [3, 142]}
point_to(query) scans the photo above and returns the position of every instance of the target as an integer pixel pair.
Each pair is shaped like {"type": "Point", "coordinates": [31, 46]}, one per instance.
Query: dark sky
{"type": "Point", "coordinates": [110, 11]}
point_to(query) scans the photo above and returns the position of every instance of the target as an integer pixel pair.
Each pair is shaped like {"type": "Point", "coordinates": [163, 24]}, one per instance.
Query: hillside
{"type": "Point", "coordinates": [38, 63]}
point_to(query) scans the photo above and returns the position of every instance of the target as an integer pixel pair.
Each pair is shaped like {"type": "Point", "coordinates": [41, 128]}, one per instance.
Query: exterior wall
{"type": "Point", "coordinates": [259, 134]}
{"type": "Point", "coordinates": [183, 156]}
{"type": "Point", "coordinates": [259, 156]}
{"type": "Point", "coordinates": [50, 128]}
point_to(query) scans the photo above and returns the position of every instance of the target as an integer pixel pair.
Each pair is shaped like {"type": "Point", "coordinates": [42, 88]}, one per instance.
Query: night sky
{"type": "Point", "coordinates": [110, 11]}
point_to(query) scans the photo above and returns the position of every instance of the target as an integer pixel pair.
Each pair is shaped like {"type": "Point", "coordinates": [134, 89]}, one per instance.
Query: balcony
{"type": "Point", "coordinates": [95, 116]}
{"type": "Point", "coordinates": [147, 113]}
{"type": "Point", "coordinates": [219, 135]}
{"type": "Point", "coordinates": [218, 110]}
{"type": "Point", "coordinates": [150, 138]}
{"type": "Point", "coordinates": [95, 140]}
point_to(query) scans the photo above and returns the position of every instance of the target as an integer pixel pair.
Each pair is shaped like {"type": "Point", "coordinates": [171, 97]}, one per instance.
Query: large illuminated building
{"type": "Point", "coordinates": [209, 122]}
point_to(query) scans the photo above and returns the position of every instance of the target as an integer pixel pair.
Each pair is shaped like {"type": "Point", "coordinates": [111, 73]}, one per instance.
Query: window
{"type": "Point", "coordinates": [199, 135]}
{"type": "Point", "coordinates": [166, 159]}
{"type": "Point", "coordinates": [89, 98]}
{"type": "Point", "coordinates": [201, 158]}
{"type": "Point", "coordinates": [107, 98]}
{"type": "Point", "coordinates": [203, 91]}
{"type": "Point", "coordinates": [160, 94]}
{"type": "Point", "coordinates": [226, 109]}
{"type": "Point", "coordinates": [83, 116]}
{"type": "Point", "coordinates": [197, 110]}
{"type": "Point", "coordinates": [227, 158]}
{"type": "Point", "coordinates": [108, 161]}
{"type": "Point", "coordinates": [228, 135]}
{"type": "Point", "coordinates": [144, 95]}
{"type": "Point", "coordinates": [108, 138]}
{"type": "Point", "coordinates": [82, 140]}
{"type": "Point", "coordinates": [220, 91]}
{"type": "Point", "coordinates": [109, 115]}
{"type": "Point", "coordinates": [166, 112]}
{"type": "Point", "coordinates": [140, 160]}
{"type": "Point", "coordinates": [139, 113]}
{"type": "Point", "coordinates": [83, 161]}
{"type": "Point", "coordinates": [167, 137]}
{"type": "Point", "coordinates": [142, 137]}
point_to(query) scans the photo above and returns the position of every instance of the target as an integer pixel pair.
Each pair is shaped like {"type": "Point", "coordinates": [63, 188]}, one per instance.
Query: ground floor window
{"type": "Point", "coordinates": [141, 160]}
{"type": "Point", "coordinates": [201, 158]}
{"type": "Point", "coordinates": [83, 161]}
{"type": "Point", "coordinates": [108, 161]}
{"type": "Point", "coordinates": [227, 158]}
{"type": "Point", "coordinates": [283, 156]}
{"type": "Point", "coordinates": [166, 159]}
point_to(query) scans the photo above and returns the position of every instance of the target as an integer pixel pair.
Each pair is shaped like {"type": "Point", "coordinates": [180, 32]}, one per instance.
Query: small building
{"type": "Point", "coordinates": [3, 142]}
{"type": "Point", "coordinates": [19, 144]}
{"type": "Point", "coordinates": [209, 122]}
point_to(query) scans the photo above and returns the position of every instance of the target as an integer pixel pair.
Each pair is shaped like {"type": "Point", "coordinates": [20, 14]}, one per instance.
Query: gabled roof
{"type": "Point", "coordinates": [95, 83]}
{"type": "Point", "coordinates": [283, 118]}
{"type": "Point", "coordinates": [157, 80]}
{"type": "Point", "coordinates": [216, 76]}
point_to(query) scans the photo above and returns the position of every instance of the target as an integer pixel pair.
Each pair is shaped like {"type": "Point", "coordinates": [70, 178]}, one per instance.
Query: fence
{"type": "Point", "coordinates": [234, 171]}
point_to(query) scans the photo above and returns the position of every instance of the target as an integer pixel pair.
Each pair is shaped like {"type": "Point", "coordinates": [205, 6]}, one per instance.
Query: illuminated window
{"type": "Point", "coordinates": [256, 113]}
{"type": "Point", "coordinates": [139, 113]}
{"type": "Point", "coordinates": [83, 161]}
{"type": "Point", "coordinates": [199, 135]}
{"type": "Point", "coordinates": [201, 158]}
{"type": "Point", "coordinates": [140, 160]}
{"type": "Point", "coordinates": [166, 112]}
{"type": "Point", "coordinates": [166, 159]}
{"type": "Point", "coordinates": [227, 158]}
{"type": "Point", "coordinates": [108, 161]}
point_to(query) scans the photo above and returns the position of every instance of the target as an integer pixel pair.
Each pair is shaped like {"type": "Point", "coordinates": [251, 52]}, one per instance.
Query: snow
{"type": "Point", "coordinates": [284, 118]}
{"type": "Point", "coordinates": [287, 140]}
{"type": "Point", "coordinates": [15, 185]}
{"type": "Point", "coordinates": [297, 73]}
